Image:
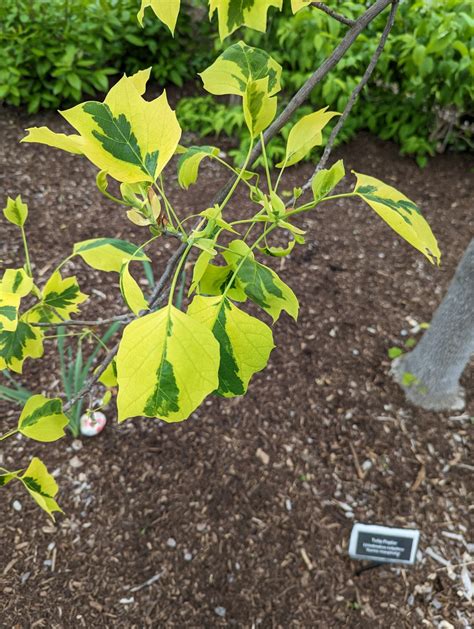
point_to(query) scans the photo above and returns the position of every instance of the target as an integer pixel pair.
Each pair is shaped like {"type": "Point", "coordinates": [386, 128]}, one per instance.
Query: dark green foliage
{"type": "Point", "coordinates": [53, 53]}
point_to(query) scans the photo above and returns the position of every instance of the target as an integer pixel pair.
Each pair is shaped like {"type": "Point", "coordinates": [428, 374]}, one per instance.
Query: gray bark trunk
{"type": "Point", "coordinates": [439, 359]}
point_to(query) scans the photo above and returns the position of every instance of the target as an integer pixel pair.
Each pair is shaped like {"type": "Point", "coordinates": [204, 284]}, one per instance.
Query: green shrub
{"type": "Point", "coordinates": [53, 52]}
{"type": "Point", "coordinates": [418, 96]}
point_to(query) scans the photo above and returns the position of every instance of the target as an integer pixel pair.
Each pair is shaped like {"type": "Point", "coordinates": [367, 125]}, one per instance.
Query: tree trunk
{"type": "Point", "coordinates": [437, 362]}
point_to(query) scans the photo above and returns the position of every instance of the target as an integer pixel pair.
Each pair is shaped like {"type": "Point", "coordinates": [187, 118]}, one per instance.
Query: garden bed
{"type": "Point", "coordinates": [245, 510]}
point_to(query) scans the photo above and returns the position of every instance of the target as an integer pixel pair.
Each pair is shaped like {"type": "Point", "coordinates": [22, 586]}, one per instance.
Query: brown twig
{"type": "Point", "coordinates": [170, 266]}
{"type": "Point", "coordinates": [124, 318]}
{"type": "Point", "coordinates": [337, 16]}
{"type": "Point", "coordinates": [359, 470]}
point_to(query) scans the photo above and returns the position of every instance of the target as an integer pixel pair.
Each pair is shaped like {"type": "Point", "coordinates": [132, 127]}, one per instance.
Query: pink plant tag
{"type": "Point", "coordinates": [92, 423]}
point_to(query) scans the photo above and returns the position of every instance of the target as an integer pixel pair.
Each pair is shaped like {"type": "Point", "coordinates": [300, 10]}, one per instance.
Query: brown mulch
{"type": "Point", "coordinates": [241, 516]}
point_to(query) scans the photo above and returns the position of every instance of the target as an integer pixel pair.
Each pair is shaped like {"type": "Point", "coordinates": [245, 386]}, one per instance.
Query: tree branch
{"type": "Point", "coordinates": [357, 90]}
{"type": "Point", "coordinates": [337, 16]}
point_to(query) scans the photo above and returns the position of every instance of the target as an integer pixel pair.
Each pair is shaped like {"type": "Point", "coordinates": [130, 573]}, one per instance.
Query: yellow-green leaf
{"type": "Point", "coordinates": [102, 184]}
{"type": "Point", "coordinates": [245, 342]}
{"type": "Point", "coordinates": [214, 216]}
{"type": "Point", "coordinates": [200, 266]}
{"type": "Point", "coordinates": [232, 14]}
{"type": "Point", "coordinates": [131, 291]}
{"type": "Point", "coordinates": [128, 137]}
{"type": "Point", "coordinates": [326, 180]}
{"type": "Point", "coordinates": [16, 346]}
{"type": "Point", "coordinates": [296, 5]}
{"type": "Point", "coordinates": [260, 283]}
{"type": "Point", "coordinates": [167, 364]}
{"type": "Point", "coordinates": [109, 376]}
{"type": "Point", "coordinates": [43, 419]}
{"type": "Point", "coordinates": [60, 299]}
{"type": "Point", "coordinates": [41, 486]}
{"type": "Point", "coordinates": [165, 10]}
{"type": "Point", "coordinates": [259, 107]}
{"type": "Point", "coordinates": [401, 214]}
{"type": "Point", "coordinates": [278, 252]}
{"type": "Point", "coordinates": [42, 135]}
{"type": "Point", "coordinates": [108, 254]}
{"type": "Point", "coordinates": [16, 211]}
{"type": "Point", "coordinates": [237, 66]}
{"type": "Point", "coordinates": [305, 135]}
{"type": "Point", "coordinates": [189, 162]}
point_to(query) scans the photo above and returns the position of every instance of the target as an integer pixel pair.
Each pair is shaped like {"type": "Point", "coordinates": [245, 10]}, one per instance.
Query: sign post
{"type": "Point", "coordinates": [383, 544]}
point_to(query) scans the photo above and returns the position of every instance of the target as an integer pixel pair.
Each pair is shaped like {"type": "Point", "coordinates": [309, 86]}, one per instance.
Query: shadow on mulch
{"type": "Point", "coordinates": [245, 510]}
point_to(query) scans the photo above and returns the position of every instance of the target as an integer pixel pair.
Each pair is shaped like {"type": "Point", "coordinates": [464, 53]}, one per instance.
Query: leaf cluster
{"type": "Point", "coordinates": [421, 92]}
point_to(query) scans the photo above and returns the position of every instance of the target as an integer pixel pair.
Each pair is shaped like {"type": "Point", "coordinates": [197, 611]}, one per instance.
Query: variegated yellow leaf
{"type": "Point", "coordinates": [60, 298]}
{"type": "Point", "coordinates": [41, 486]}
{"type": "Point", "coordinates": [238, 65]}
{"type": "Point", "coordinates": [43, 419]}
{"type": "Point", "coordinates": [259, 108]}
{"type": "Point", "coordinates": [401, 214]}
{"type": "Point", "coordinates": [128, 137]}
{"type": "Point", "coordinates": [9, 303]}
{"type": "Point", "coordinates": [16, 281]}
{"type": "Point", "coordinates": [232, 14]}
{"type": "Point", "coordinates": [108, 254]}
{"type": "Point", "coordinates": [189, 162]}
{"type": "Point", "coordinates": [6, 477]}
{"type": "Point", "coordinates": [260, 283]}
{"type": "Point", "coordinates": [167, 364]}
{"type": "Point", "coordinates": [16, 346]}
{"type": "Point", "coordinates": [245, 342]}
{"type": "Point", "coordinates": [215, 280]}
{"type": "Point", "coordinates": [16, 211]}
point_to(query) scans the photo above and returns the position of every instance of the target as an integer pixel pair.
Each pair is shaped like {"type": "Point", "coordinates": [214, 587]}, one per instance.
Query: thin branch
{"type": "Point", "coordinates": [337, 16]}
{"type": "Point", "coordinates": [92, 379]}
{"type": "Point", "coordinates": [357, 90]}
{"type": "Point", "coordinates": [303, 93]}
{"type": "Point", "coordinates": [170, 266]}
{"type": "Point", "coordinates": [80, 322]}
